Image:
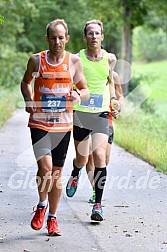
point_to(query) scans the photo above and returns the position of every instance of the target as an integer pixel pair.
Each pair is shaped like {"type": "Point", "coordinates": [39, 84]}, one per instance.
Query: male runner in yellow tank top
{"type": "Point", "coordinates": [51, 116]}
{"type": "Point", "coordinates": [113, 114]}
{"type": "Point", "coordinates": [91, 116]}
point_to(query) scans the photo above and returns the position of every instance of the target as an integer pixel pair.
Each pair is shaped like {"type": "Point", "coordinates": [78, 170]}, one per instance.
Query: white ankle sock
{"type": "Point", "coordinates": [43, 203]}
{"type": "Point", "coordinates": [52, 215]}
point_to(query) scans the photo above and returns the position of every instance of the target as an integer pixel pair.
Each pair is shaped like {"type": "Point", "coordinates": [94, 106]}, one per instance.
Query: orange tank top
{"type": "Point", "coordinates": [52, 88]}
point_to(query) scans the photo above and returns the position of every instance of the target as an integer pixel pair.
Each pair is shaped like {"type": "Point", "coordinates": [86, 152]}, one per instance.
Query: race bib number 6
{"type": "Point", "coordinates": [95, 101]}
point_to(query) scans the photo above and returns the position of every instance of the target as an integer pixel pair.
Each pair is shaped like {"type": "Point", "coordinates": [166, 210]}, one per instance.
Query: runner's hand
{"type": "Point", "coordinates": [74, 96]}
{"type": "Point", "coordinates": [115, 113]}
{"type": "Point", "coordinates": [30, 107]}
{"type": "Point", "coordinates": [115, 104]}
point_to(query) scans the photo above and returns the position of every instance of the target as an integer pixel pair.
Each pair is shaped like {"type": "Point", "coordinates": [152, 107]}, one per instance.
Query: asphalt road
{"type": "Point", "coordinates": [134, 204]}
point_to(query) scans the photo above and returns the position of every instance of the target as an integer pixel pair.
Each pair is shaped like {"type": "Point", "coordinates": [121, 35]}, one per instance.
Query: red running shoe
{"type": "Point", "coordinates": [38, 220]}
{"type": "Point", "coordinates": [52, 227]}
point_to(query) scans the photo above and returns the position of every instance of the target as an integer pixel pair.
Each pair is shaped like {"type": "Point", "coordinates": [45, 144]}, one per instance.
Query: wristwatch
{"type": "Point", "coordinates": [112, 98]}
{"type": "Point", "coordinates": [78, 91]}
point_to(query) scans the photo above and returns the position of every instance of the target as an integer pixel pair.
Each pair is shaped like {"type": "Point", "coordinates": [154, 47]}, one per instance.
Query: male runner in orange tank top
{"type": "Point", "coordinates": [51, 116]}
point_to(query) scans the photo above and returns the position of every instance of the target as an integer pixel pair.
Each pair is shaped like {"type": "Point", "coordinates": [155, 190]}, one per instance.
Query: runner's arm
{"type": "Point", "coordinates": [118, 89]}
{"type": "Point", "coordinates": [112, 61]}
{"type": "Point", "coordinates": [26, 87]}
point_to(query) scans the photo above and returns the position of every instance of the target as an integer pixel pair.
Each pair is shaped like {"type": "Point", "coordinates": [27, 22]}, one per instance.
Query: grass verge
{"type": "Point", "coordinates": [144, 136]}
{"type": "Point", "coordinates": [8, 103]}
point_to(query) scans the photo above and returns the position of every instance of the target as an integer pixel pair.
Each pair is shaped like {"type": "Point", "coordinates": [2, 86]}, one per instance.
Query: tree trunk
{"type": "Point", "coordinates": [126, 45]}
{"type": "Point", "coordinates": [126, 56]}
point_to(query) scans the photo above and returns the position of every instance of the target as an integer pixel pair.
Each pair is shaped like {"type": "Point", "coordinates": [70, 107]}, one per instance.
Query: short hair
{"type": "Point", "coordinates": [56, 22]}
{"type": "Point", "coordinates": [94, 21]}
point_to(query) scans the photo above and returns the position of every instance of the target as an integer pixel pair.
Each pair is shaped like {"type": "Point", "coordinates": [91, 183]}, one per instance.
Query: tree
{"type": "Point", "coordinates": [136, 13]}
{"type": "Point", "coordinates": [73, 13]}
{"type": "Point", "coordinates": [14, 13]}
{"type": "Point", "coordinates": [133, 13]}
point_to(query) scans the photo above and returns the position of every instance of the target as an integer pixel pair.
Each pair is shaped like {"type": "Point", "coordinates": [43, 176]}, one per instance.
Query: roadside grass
{"type": "Point", "coordinates": [8, 103]}
{"type": "Point", "coordinates": [145, 134]}
{"type": "Point", "coordinates": [157, 70]}
{"type": "Point", "coordinates": [143, 138]}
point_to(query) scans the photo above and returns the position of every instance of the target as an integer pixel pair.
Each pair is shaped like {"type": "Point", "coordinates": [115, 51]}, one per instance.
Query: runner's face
{"type": "Point", "coordinates": [93, 36]}
{"type": "Point", "coordinates": [57, 39]}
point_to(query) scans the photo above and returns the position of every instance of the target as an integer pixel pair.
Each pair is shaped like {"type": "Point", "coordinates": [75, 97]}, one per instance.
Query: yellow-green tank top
{"type": "Point", "coordinates": [96, 74]}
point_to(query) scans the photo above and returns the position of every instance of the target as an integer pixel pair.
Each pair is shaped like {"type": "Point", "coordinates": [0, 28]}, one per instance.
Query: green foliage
{"type": "Point", "coordinates": [1, 19]}
{"type": "Point", "coordinates": [25, 45]}
{"type": "Point", "coordinates": [134, 12]}
{"type": "Point", "coordinates": [73, 15]}
{"type": "Point", "coordinates": [142, 79]}
{"type": "Point", "coordinates": [149, 45]}
{"type": "Point", "coordinates": [156, 20]}
{"type": "Point", "coordinates": [148, 106]}
{"type": "Point", "coordinates": [13, 61]}
{"type": "Point", "coordinates": [15, 12]}
{"type": "Point", "coordinates": [138, 79]}
{"type": "Point", "coordinates": [12, 68]}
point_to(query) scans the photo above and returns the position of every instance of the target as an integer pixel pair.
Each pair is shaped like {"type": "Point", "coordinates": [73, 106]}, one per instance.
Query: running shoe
{"type": "Point", "coordinates": [72, 185]}
{"type": "Point", "coordinates": [38, 220]}
{"type": "Point", "coordinates": [52, 226]}
{"type": "Point", "coordinates": [92, 199]}
{"type": "Point", "coordinates": [97, 213]}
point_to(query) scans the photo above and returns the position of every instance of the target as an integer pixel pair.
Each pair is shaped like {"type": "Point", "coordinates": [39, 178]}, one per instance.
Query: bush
{"type": "Point", "coordinates": [149, 45]}
{"type": "Point", "coordinates": [140, 81]}
{"type": "Point", "coordinates": [13, 65]}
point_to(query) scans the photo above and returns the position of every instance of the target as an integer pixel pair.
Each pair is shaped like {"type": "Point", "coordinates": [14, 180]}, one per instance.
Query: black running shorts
{"type": "Point", "coordinates": [90, 123]}
{"type": "Point", "coordinates": [50, 143]}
